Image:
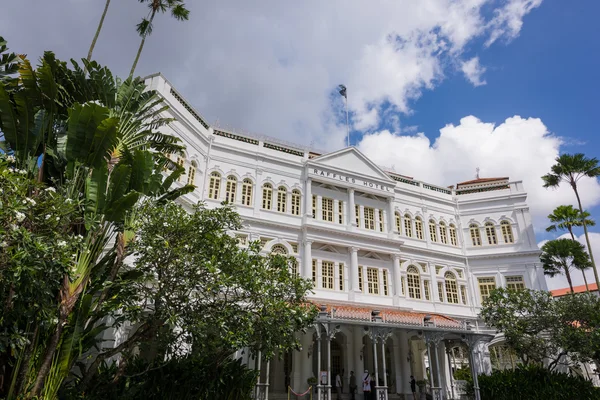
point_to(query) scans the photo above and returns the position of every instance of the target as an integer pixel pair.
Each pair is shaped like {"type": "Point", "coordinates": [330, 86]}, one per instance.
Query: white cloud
{"type": "Point", "coordinates": [560, 281]}
{"type": "Point", "coordinates": [508, 19]}
{"type": "Point", "coordinates": [520, 148]}
{"type": "Point", "coordinates": [271, 67]}
{"type": "Point", "coordinates": [473, 71]}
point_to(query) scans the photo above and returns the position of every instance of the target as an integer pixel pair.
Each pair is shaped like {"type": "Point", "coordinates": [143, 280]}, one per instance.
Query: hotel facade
{"type": "Point", "coordinates": [400, 267]}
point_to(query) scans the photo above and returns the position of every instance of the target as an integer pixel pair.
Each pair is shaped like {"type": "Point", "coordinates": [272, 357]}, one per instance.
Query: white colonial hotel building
{"type": "Point", "coordinates": [400, 267]}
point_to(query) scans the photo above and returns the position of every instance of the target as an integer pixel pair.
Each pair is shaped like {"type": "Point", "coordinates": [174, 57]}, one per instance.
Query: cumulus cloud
{"type": "Point", "coordinates": [560, 281]}
{"type": "Point", "coordinates": [272, 67]}
{"type": "Point", "coordinates": [520, 148]}
{"type": "Point", "coordinates": [473, 71]}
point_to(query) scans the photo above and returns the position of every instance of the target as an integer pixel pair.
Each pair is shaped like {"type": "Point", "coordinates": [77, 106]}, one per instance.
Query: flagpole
{"type": "Point", "coordinates": [347, 126]}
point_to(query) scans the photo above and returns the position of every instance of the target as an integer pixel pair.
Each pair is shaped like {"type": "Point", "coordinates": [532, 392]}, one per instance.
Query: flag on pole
{"type": "Point", "coordinates": [342, 90]}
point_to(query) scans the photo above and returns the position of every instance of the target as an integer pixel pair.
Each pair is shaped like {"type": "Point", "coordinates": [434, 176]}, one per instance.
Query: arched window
{"type": "Point", "coordinates": [267, 199]}
{"type": "Point", "coordinates": [192, 173]}
{"type": "Point", "coordinates": [281, 198]}
{"type": "Point", "coordinates": [452, 231]}
{"type": "Point", "coordinates": [279, 249]}
{"type": "Point", "coordinates": [214, 186]}
{"type": "Point", "coordinates": [408, 225]}
{"type": "Point", "coordinates": [296, 202]}
{"type": "Point", "coordinates": [432, 231]}
{"type": "Point", "coordinates": [490, 233]}
{"type": "Point", "coordinates": [247, 192]}
{"type": "Point", "coordinates": [443, 233]}
{"type": "Point", "coordinates": [180, 162]}
{"type": "Point", "coordinates": [398, 220]}
{"type": "Point", "coordinates": [507, 233]}
{"type": "Point", "coordinates": [475, 236]}
{"type": "Point", "coordinates": [230, 189]}
{"type": "Point", "coordinates": [451, 288]}
{"type": "Point", "coordinates": [413, 280]}
{"type": "Point", "coordinates": [419, 227]}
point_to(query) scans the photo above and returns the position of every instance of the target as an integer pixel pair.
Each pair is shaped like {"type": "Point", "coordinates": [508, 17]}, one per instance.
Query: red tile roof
{"type": "Point", "coordinates": [576, 289]}
{"type": "Point", "coordinates": [481, 180]}
{"type": "Point", "coordinates": [358, 313]}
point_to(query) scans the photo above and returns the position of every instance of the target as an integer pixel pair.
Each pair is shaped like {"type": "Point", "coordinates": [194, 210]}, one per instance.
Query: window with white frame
{"type": "Point", "coordinates": [281, 198]}
{"type": "Point", "coordinates": [490, 233]}
{"type": "Point", "coordinates": [267, 199]}
{"type": "Point", "coordinates": [360, 278]}
{"type": "Point", "coordinates": [419, 228]}
{"type": "Point", "coordinates": [314, 206]}
{"type": "Point", "coordinates": [507, 233]}
{"type": "Point", "coordinates": [340, 212]}
{"type": "Point", "coordinates": [441, 291]}
{"type": "Point", "coordinates": [180, 162]}
{"type": "Point", "coordinates": [279, 249]}
{"type": "Point", "coordinates": [413, 280]}
{"type": "Point", "coordinates": [380, 212]}
{"type": "Point", "coordinates": [214, 185]}
{"type": "Point", "coordinates": [403, 284]}
{"type": "Point", "coordinates": [486, 285]}
{"type": "Point", "coordinates": [408, 225]}
{"type": "Point", "coordinates": [247, 192]}
{"type": "Point", "coordinates": [398, 221]}
{"type": "Point", "coordinates": [515, 283]}
{"type": "Point", "coordinates": [432, 231]}
{"type": "Point", "coordinates": [327, 209]}
{"type": "Point", "coordinates": [192, 174]}
{"type": "Point", "coordinates": [426, 289]}
{"type": "Point", "coordinates": [296, 196]}
{"type": "Point", "coordinates": [453, 238]}
{"type": "Point", "coordinates": [369, 218]}
{"type": "Point", "coordinates": [230, 189]}
{"type": "Point", "coordinates": [463, 294]}
{"type": "Point", "coordinates": [373, 280]}
{"type": "Point", "coordinates": [451, 288]}
{"type": "Point", "coordinates": [341, 276]}
{"type": "Point", "coordinates": [385, 282]}
{"type": "Point", "coordinates": [314, 271]}
{"type": "Point", "coordinates": [327, 274]}
{"type": "Point", "coordinates": [475, 235]}
{"type": "Point", "coordinates": [443, 233]}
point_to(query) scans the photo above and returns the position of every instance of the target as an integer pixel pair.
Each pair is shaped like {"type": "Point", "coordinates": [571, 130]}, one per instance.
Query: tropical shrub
{"type": "Point", "coordinates": [535, 383]}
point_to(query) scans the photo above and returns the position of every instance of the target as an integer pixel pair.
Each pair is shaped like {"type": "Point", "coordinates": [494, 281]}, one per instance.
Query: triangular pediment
{"type": "Point", "coordinates": [353, 161]}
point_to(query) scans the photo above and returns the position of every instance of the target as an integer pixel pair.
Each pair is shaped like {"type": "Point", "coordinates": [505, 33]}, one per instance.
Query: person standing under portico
{"type": "Point", "coordinates": [352, 385]}
{"type": "Point", "coordinates": [366, 382]}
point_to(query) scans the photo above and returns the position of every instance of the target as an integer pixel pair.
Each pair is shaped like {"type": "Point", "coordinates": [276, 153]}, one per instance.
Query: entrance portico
{"type": "Point", "coordinates": [391, 345]}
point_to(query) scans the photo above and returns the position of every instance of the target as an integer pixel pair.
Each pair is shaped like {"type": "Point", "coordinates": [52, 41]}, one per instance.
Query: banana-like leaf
{"type": "Point", "coordinates": [84, 120]}
{"type": "Point", "coordinates": [95, 191]}
{"type": "Point", "coordinates": [175, 193]}
{"type": "Point", "coordinates": [119, 182]}
{"type": "Point", "coordinates": [142, 166]}
{"type": "Point", "coordinates": [118, 209]}
{"type": "Point", "coordinates": [8, 120]}
{"type": "Point", "coordinates": [104, 141]}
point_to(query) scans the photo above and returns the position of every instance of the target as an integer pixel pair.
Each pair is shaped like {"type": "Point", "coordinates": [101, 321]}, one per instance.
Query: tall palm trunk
{"type": "Point", "coordinates": [568, 275]}
{"type": "Point", "coordinates": [137, 57]}
{"type": "Point", "coordinates": [587, 288]}
{"type": "Point", "coordinates": [89, 57]}
{"type": "Point", "coordinates": [587, 239]}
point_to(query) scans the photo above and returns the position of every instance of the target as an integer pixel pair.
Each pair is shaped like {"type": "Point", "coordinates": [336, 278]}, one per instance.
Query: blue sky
{"type": "Point", "coordinates": [436, 88]}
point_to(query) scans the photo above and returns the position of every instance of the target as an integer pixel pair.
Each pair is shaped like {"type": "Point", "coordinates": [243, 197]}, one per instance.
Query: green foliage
{"type": "Point", "coordinates": [535, 383]}
{"type": "Point", "coordinates": [463, 374]}
{"type": "Point", "coordinates": [540, 329]}
{"type": "Point", "coordinates": [567, 217]}
{"type": "Point", "coordinates": [190, 377]}
{"type": "Point", "coordinates": [560, 255]}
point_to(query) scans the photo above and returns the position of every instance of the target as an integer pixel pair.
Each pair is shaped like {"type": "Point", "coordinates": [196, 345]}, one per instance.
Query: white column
{"type": "Point", "coordinates": [361, 223]}
{"type": "Point", "coordinates": [375, 363]}
{"type": "Point", "coordinates": [308, 198]}
{"type": "Point", "coordinates": [288, 202]}
{"type": "Point", "coordinates": [238, 191]}
{"type": "Point", "coordinates": [336, 213]}
{"type": "Point", "coordinates": [319, 282]}
{"type": "Point", "coordinates": [351, 213]}
{"type": "Point", "coordinates": [397, 365]}
{"type": "Point", "coordinates": [391, 215]}
{"type": "Point", "coordinates": [404, 347]}
{"type": "Point", "coordinates": [319, 216]}
{"type": "Point", "coordinates": [328, 366]}
{"type": "Point", "coordinates": [307, 273]}
{"type": "Point", "coordinates": [257, 197]}
{"type": "Point", "coordinates": [268, 374]}
{"type": "Point", "coordinates": [450, 374]}
{"type": "Point", "coordinates": [385, 383]}
{"type": "Point", "coordinates": [296, 381]}
{"type": "Point", "coordinates": [354, 268]}
{"type": "Point", "coordinates": [306, 361]}
{"type": "Point", "coordinates": [359, 364]}
{"type": "Point", "coordinates": [397, 276]}
{"type": "Point", "coordinates": [377, 220]}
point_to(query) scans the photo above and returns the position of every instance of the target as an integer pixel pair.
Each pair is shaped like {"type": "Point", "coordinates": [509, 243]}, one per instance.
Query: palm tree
{"type": "Point", "coordinates": [565, 218]}
{"type": "Point", "coordinates": [89, 57]}
{"type": "Point", "coordinates": [144, 28]}
{"type": "Point", "coordinates": [570, 169]}
{"type": "Point", "coordinates": [560, 255]}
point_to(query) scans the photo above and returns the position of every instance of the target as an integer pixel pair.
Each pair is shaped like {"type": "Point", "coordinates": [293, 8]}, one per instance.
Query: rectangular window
{"type": "Point", "coordinates": [426, 290]}
{"type": "Point", "coordinates": [373, 280]}
{"type": "Point", "coordinates": [407, 226]}
{"type": "Point", "coordinates": [380, 212]}
{"type": "Point", "coordinates": [327, 274]}
{"type": "Point", "coordinates": [419, 228]}
{"type": "Point", "coordinates": [385, 282]}
{"type": "Point", "coordinates": [281, 200]}
{"type": "Point", "coordinates": [295, 203]}
{"type": "Point", "coordinates": [403, 284]}
{"type": "Point", "coordinates": [398, 223]}
{"type": "Point", "coordinates": [314, 206]}
{"type": "Point", "coordinates": [247, 193]}
{"type": "Point", "coordinates": [486, 285]}
{"type": "Point", "coordinates": [341, 275]}
{"type": "Point", "coordinates": [432, 232]}
{"type": "Point", "coordinates": [340, 212]}
{"type": "Point", "coordinates": [453, 239]}
{"type": "Point", "coordinates": [267, 197]}
{"type": "Point", "coordinates": [515, 283]}
{"type": "Point", "coordinates": [451, 291]}
{"type": "Point", "coordinates": [294, 267]}
{"type": "Point", "coordinates": [463, 293]}
{"type": "Point", "coordinates": [357, 212]}
{"type": "Point", "coordinates": [369, 218]}
{"type": "Point", "coordinates": [327, 207]}
{"type": "Point", "coordinates": [360, 278]}
{"type": "Point", "coordinates": [443, 234]}
{"type": "Point", "coordinates": [314, 271]}
{"type": "Point", "coordinates": [441, 291]}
